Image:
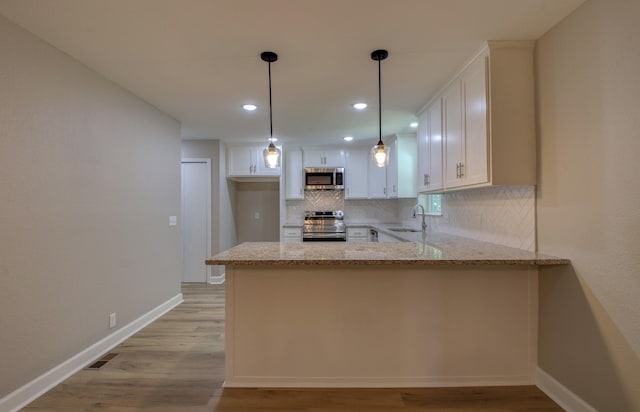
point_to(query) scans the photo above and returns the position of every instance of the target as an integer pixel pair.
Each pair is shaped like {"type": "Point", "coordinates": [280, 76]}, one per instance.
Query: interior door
{"type": "Point", "coordinates": [196, 219]}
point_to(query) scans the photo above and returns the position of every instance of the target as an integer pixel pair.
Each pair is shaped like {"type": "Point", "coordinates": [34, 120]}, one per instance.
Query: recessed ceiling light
{"type": "Point", "coordinates": [360, 106]}
{"type": "Point", "coordinates": [414, 124]}
{"type": "Point", "coordinates": [249, 107]}
{"type": "Point", "coordinates": [348, 138]}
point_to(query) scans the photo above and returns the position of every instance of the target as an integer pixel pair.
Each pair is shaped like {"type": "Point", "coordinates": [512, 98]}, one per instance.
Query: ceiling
{"type": "Point", "coordinates": [199, 60]}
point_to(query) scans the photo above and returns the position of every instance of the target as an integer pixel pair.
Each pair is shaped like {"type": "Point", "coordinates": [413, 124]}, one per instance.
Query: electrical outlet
{"type": "Point", "coordinates": [112, 320]}
{"type": "Point", "coordinates": [256, 215]}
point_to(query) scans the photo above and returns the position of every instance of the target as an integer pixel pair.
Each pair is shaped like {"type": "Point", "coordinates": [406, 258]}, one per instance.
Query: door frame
{"type": "Point", "coordinates": [207, 161]}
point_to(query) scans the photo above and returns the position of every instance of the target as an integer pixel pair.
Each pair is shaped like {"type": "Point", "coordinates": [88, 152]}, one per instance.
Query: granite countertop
{"type": "Point", "coordinates": [436, 249]}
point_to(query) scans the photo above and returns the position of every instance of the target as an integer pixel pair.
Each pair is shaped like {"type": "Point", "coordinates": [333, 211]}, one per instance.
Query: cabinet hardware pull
{"type": "Point", "coordinates": [461, 170]}
{"type": "Point", "coordinates": [425, 179]}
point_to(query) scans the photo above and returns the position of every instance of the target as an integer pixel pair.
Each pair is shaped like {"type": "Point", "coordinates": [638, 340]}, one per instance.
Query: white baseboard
{"type": "Point", "coordinates": [567, 400]}
{"type": "Point", "coordinates": [217, 279]}
{"type": "Point", "coordinates": [34, 389]}
{"type": "Point", "coordinates": [374, 382]}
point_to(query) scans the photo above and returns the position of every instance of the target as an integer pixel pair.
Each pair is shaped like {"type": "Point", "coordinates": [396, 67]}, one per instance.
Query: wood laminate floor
{"type": "Point", "coordinates": [177, 364]}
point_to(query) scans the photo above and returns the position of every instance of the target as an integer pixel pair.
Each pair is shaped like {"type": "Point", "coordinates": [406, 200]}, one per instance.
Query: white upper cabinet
{"type": "Point", "coordinates": [247, 161]}
{"type": "Point", "coordinates": [487, 123]}
{"type": "Point", "coordinates": [465, 127]}
{"type": "Point", "coordinates": [377, 180]}
{"type": "Point", "coordinates": [356, 174]}
{"type": "Point", "coordinates": [323, 158]}
{"type": "Point", "coordinates": [430, 148]}
{"type": "Point", "coordinates": [293, 175]}
{"type": "Point", "coordinates": [240, 161]}
{"type": "Point", "coordinates": [392, 169]}
{"type": "Point", "coordinates": [475, 168]}
{"type": "Point", "coordinates": [453, 134]}
{"type": "Point", "coordinates": [402, 168]}
{"type": "Point", "coordinates": [363, 180]}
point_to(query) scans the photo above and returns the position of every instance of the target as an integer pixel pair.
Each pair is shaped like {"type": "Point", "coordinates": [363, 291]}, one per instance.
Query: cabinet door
{"type": "Point", "coordinates": [324, 158]}
{"type": "Point", "coordinates": [434, 138]}
{"type": "Point", "coordinates": [292, 234]}
{"type": "Point", "coordinates": [474, 89]}
{"type": "Point", "coordinates": [377, 180]}
{"type": "Point", "coordinates": [392, 170]}
{"type": "Point", "coordinates": [423, 152]}
{"type": "Point", "coordinates": [356, 174]}
{"type": "Point", "coordinates": [453, 134]}
{"type": "Point", "coordinates": [240, 161]}
{"type": "Point", "coordinates": [293, 172]}
{"type": "Point", "coordinates": [334, 158]}
{"type": "Point", "coordinates": [313, 158]}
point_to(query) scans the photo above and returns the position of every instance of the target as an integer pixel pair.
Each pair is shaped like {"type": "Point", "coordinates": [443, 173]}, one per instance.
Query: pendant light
{"type": "Point", "coordinates": [380, 152]}
{"type": "Point", "coordinates": [271, 153]}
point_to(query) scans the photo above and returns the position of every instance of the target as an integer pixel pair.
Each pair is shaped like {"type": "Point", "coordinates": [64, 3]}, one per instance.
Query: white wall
{"type": "Point", "coordinates": [588, 202]}
{"type": "Point", "coordinates": [257, 212]}
{"type": "Point", "coordinates": [89, 175]}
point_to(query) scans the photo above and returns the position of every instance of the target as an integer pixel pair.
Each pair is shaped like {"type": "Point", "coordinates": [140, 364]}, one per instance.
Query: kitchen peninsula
{"type": "Point", "coordinates": [445, 311]}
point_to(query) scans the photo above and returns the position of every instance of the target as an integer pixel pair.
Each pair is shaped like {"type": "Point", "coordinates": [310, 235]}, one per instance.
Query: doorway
{"type": "Point", "coordinates": [196, 219]}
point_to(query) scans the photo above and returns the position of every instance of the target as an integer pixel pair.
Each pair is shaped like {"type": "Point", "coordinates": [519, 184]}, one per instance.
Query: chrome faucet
{"type": "Point", "coordinates": [424, 224]}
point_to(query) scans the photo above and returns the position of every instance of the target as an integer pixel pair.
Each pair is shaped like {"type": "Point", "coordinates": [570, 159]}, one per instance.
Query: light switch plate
{"type": "Point", "coordinates": [173, 220]}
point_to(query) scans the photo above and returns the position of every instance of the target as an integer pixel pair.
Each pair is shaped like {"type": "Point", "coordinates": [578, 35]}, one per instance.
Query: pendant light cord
{"type": "Point", "coordinates": [379, 102]}
{"type": "Point", "coordinates": [270, 109]}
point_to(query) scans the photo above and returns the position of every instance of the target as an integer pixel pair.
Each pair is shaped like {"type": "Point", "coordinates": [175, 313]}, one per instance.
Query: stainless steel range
{"type": "Point", "coordinates": [324, 226]}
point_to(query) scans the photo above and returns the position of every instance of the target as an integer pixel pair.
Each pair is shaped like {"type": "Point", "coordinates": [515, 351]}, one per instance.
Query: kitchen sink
{"type": "Point", "coordinates": [404, 229]}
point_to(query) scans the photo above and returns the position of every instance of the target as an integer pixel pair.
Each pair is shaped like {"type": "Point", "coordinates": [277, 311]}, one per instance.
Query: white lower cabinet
{"type": "Point", "coordinates": [291, 234]}
{"type": "Point", "coordinates": [359, 234]}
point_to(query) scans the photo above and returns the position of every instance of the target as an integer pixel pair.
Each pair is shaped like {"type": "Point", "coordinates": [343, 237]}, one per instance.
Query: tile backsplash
{"type": "Point", "coordinates": [499, 214]}
{"type": "Point", "coordinates": [502, 214]}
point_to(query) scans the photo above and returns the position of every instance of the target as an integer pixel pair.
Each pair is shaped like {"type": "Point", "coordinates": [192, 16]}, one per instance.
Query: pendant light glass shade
{"type": "Point", "coordinates": [380, 153]}
{"type": "Point", "coordinates": [271, 154]}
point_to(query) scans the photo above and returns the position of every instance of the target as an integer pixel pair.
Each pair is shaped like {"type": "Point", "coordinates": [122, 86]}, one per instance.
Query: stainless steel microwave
{"type": "Point", "coordinates": [317, 178]}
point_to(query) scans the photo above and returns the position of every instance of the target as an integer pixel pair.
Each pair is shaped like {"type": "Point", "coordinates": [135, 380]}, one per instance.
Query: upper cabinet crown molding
{"type": "Point", "coordinates": [487, 122]}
